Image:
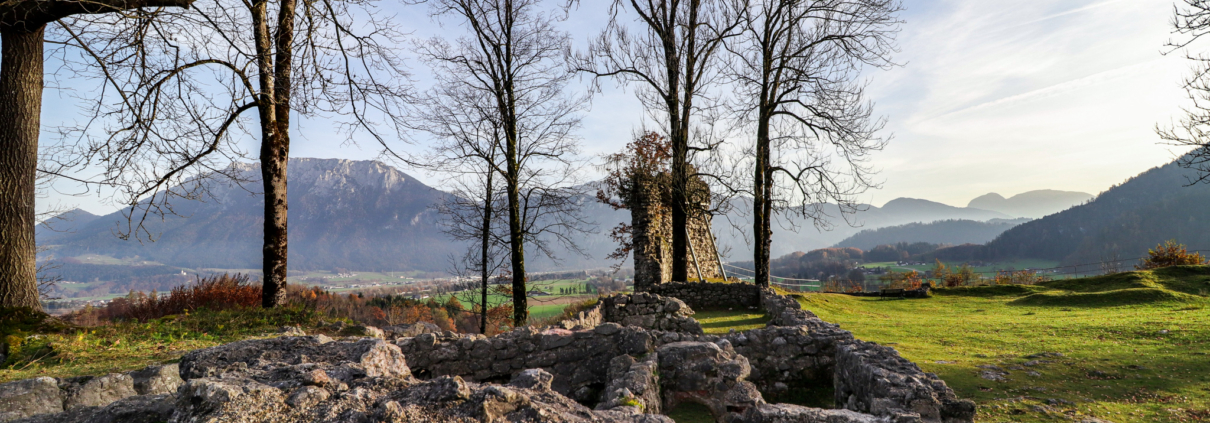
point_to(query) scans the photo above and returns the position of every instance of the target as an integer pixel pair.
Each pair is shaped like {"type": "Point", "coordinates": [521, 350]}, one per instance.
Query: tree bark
{"type": "Point", "coordinates": [761, 206]}
{"type": "Point", "coordinates": [679, 138]}
{"type": "Point", "coordinates": [516, 238]}
{"type": "Point", "coordinates": [273, 157]}
{"type": "Point", "coordinates": [276, 248]}
{"type": "Point", "coordinates": [485, 245]}
{"type": "Point", "coordinates": [20, 116]}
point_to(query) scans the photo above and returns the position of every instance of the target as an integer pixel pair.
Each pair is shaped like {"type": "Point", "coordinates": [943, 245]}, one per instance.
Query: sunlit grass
{"type": "Point", "coordinates": [133, 345]}
{"type": "Point", "coordinates": [1118, 362]}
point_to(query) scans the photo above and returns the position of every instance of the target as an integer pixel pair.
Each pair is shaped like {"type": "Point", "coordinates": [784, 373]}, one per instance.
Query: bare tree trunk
{"type": "Point", "coordinates": [485, 252]}
{"type": "Point", "coordinates": [679, 138]}
{"type": "Point", "coordinates": [273, 156]}
{"type": "Point", "coordinates": [516, 240]}
{"type": "Point", "coordinates": [761, 206]}
{"type": "Point", "coordinates": [20, 113]}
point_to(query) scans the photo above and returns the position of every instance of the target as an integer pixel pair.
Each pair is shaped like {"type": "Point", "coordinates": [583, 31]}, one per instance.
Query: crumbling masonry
{"type": "Point", "coordinates": [651, 221]}
{"type": "Point", "coordinates": [627, 359]}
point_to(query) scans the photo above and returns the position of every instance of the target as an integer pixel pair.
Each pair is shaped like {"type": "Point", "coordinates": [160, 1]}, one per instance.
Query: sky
{"type": "Point", "coordinates": [1002, 97]}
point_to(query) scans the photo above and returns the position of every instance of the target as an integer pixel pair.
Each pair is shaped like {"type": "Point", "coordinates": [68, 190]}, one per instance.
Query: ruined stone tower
{"type": "Point", "coordinates": [651, 221]}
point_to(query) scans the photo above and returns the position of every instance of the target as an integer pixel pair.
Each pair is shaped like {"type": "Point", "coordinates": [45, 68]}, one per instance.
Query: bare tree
{"type": "Point", "coordinates": [794, 68]}
{"type": "Point", "coordinates": [507, 74]}
{"type": "Point", "coordinates": [1192, 22]}
{"type": "Point", "coordinates": [179, 90]}
{"type": "Point", "coordinates": [22, 28]}
{"type": "Point", "coordinates": [673, 61]}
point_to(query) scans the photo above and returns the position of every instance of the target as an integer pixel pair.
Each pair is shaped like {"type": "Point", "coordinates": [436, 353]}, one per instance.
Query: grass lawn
{"type": "Point", "coordinates": [1134, 346]}
{"type": "Point", "coordinates": [129, 346]}
{"type": "Point", "coordinates": [722, 321]}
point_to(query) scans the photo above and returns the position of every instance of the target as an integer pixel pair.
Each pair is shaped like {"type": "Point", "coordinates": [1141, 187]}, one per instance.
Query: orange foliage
{"type": "Point", "coordinates": [1169, 254]}
{"type": "Point", "coordinates": [213, 292]}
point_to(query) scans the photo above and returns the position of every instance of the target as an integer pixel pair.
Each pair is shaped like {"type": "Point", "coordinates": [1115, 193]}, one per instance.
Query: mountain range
{"type": "Point", "coordinates": [1032, 204]}
{"type": "Point", "coordinates": [369, 216]}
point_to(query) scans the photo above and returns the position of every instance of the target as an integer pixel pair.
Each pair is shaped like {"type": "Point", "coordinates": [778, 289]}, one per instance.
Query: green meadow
{"type": "Point", "coordinates": [1130, 347]}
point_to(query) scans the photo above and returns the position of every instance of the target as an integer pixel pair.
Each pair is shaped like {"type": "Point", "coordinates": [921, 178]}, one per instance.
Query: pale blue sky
{"type": "Point", "coordinates": [993, 97]}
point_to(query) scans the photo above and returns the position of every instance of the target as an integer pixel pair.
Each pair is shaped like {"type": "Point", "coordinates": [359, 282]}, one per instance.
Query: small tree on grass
{"type": "Point", "coordinates": [1169, 254]}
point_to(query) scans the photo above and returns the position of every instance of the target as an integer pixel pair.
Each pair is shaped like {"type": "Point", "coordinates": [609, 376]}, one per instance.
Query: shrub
{"type": "Point", "coordinates": [1169, 254]}
{"type": "Point", "coordinates": [904, 280]}
{"type": "Point", "coordinates": [220, 292]}
{"type": "Point", "coordinates": [1019, 277]}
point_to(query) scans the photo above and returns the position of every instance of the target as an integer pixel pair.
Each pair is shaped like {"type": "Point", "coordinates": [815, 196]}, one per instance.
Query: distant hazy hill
{"type": "Point", "coordinates": [361, 215]}
{"type": "Point", "coordinates": [1032, 204]}
{"type": "Point", "coordinates": [895, 212]}
{"type": "Point", "coordinates": [1127, 219]}
{"type": "Point", "coordinates": [953, 232]}
{"type": "Point", "coordinates": [366, 215]}
{"type": "Point", "coordinates": [67, 221]}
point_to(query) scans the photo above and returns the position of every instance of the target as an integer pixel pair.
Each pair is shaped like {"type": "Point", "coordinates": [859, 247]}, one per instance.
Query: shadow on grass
{"type": "Point", "coordinates": [690, 412]}
{"type": "Point", "coordinates": [817, 395]}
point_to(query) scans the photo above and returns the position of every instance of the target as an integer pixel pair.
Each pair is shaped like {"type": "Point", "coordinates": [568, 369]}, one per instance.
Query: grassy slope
{"type": "Point", "coordinates": [1117, 365]}
{"type": "Point", "coordinates": [129, 346]}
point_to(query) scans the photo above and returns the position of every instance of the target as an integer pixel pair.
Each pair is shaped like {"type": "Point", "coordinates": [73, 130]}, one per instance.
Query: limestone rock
{"type": "Point", "coordinates": [362, 330]}
{"type": "Point", "coordinates": [535, 379]}
{"type": "Point", "coordinates": [788, 413]}
{"type": "Point", "coordinates": [706, 373]}
{"type": "Point", "coordinates": [291, 331]}
{"type": "Point", "coordinates": [633, 383]}
{"type": "Point", "coordinates": [157, 380]}
{"type": "Point", "coordinates": [412, 330]}
{"type": "Point", "coordinates": [29, 397]}
{"type": "Point", "coordinates": [97, 391]}
{"type": "Point", "coordinates": [137, 409]}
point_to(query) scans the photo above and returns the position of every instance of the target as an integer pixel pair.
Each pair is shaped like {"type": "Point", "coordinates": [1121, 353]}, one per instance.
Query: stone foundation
{"type": "Point", "coordinates": [796, 349]}
{"type": "Point", "coordinates": [630, 356]}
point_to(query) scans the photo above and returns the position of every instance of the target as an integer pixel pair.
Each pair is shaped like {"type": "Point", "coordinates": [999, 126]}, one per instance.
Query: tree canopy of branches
{"type": "Point", "coordinates": [180, 89]}
{"type": "Point", "coordinates": [674, 62]}
{"type": "Point", "coordinates": [22, 31]}
{"type": "Point", "coordinates": [1192, 21]}
{"type": "Point", "coordinates": [500, 102]}
{"type": "Point", "coordinates": [794, 68]}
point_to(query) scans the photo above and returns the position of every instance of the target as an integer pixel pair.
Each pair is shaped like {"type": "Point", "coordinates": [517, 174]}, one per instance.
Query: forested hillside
{"type": "Point", "coordinates": [1123, 221]}
{"type": "Point", "coordinates": [953, 231]}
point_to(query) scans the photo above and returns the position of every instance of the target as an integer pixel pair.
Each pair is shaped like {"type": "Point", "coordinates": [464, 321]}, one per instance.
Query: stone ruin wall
{"type": "Point", "coordinates": [795, 350]}
{"type": "Point", "coordinates": [651, 222]}
{"type": "Point", "coordinates": [658, 359]}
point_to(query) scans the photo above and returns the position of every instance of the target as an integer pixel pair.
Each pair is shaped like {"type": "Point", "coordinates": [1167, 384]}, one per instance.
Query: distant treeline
{"type": "Point", "coordinates": [74, 271]}
{"type": "Point", "coordinates": [952, 232]}
{"type": "Point", "coordinates": [825, 263]}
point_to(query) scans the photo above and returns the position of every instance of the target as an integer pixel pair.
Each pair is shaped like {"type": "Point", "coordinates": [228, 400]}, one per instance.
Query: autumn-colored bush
{"type": "Point", "coordinates": [1019, 277]}
{"type": "Point", "coordinates": [1169, 254]}
{"type": "Point", "coordinates": [902, 280]}
{"type": "Point", "coordinates": [219, 292]}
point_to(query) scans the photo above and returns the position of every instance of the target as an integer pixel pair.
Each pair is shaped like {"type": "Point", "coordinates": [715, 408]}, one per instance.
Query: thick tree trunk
{"type": "Point", "coordinates": [680, 215]}
{"type": "Point", "coordinates": [273, 158]}
{"type": "Point", "coordinates": [274, 162]}
{"type": "Point", "coordinates": [516, 238]}
{"type": "Point", "coordinates": [20, 117]}
{"type": "Point", "coordinates": [274, 153]}
{"type": "Point", "coordinates": [679, 139]}
{"type": "Point", "coordinates": [485, 246]}
{"type": "Point", "coordinates": [761, 206]}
